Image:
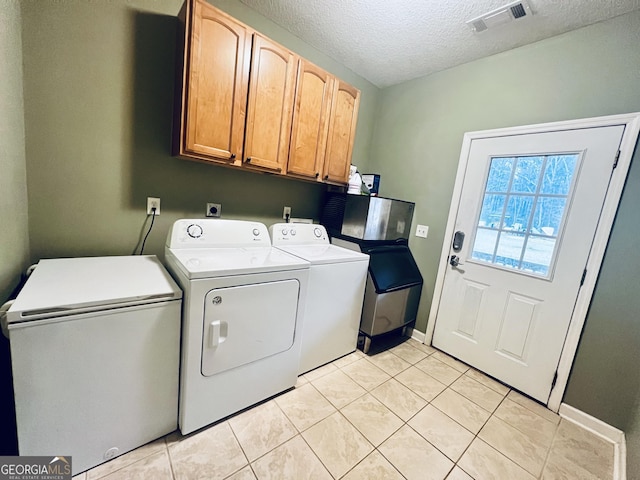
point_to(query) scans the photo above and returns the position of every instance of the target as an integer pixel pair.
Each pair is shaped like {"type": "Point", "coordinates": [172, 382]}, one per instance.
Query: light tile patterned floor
{"type": "Point", "coordinates": [409, 412]}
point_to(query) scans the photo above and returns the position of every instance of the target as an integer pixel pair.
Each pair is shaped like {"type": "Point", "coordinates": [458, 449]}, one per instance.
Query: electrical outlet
{"type": "Point", "coordinates": [286, 212]}
{"type": "Point", "coordinates": [422, 231]}
{"type": "Point", "coordinates": [214, 210]}
{"type": "Point", "coordinates": [153, 202]}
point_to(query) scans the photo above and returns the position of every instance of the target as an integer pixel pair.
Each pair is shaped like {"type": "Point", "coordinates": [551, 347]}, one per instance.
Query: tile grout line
{"type": "Point", "coordinates": [300, 432]}
{"type": "Point", "coordinates": [314, 453]}
{"type": "Point", "coordinates": [246, 457]}
{"type": "Point", "coordinates": [534, 401]}
{"type": "Point", "coordinates": [368, 391]}
{"type": "Point", "coordinates": [173, 473]}
{"type": "Point", "coordinates": [475, 435]}
{"type": "Point", "coordinates": [389, 461]}
{"type": "Point", "coordinates": [406, 423]}
{"type": "Point", "coordinates": [503, 453]}
{"type": "Point", "coordinates": [455, 463]}
{"type": "Point", "coordinates": [548, 449]}
{"type": "Point", "coordinates": [493, 414]}
{"type": "Point", "coordinates": [315, 423]}
{"type": "Point", "coordinates": [546, 458]}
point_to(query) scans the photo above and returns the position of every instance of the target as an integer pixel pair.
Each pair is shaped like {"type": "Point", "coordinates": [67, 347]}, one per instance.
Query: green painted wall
{"type": "Point", "coordinates": [98, 82]}
{"type": "Point", "coordinates": [14, 239]}
{"type": "Point", "coordinates": [416, 145]}
{"type": "Point", "coordinates": [633, 445]}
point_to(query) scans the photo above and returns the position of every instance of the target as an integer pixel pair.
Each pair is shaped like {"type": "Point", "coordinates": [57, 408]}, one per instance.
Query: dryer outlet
{"type": "Point", "coordinates": [214, 210]}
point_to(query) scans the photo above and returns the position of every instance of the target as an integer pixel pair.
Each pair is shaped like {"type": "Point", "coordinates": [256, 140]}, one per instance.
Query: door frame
{"type": "Point", "coordinates": [631, 121]}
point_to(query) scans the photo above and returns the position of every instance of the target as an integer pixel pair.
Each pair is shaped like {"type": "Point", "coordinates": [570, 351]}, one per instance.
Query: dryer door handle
{"type": "Point", "coordinates": [217, 333]}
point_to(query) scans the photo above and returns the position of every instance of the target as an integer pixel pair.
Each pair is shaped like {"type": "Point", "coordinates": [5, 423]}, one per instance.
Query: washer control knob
{"type": "Point", "coordinates": [284, 231]}
{"type": "Point", "coordinates": [317, 232]}
{"type": "Point", "coordinates": [194, 230]}
{"type": "Point", "coordinates": [256, 232]}
{"type": "Point", "coordinates": [293, 232]}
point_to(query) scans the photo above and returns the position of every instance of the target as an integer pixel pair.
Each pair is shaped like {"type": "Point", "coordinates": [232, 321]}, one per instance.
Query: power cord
{"type": "Point", "coordinates": [153, 217]}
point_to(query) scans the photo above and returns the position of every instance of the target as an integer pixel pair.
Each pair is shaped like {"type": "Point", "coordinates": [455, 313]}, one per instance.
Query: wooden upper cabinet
{"type": "Point", "coordinates": [245, 101]}
{"type": "Point", "coordinates": [310, 121]}
{"type": "Point", "coordinates": [342, 129]}
{"type": "Point", "coordinates": [217, 83]}
{"type": "Point", "coordinates": [270, 106]}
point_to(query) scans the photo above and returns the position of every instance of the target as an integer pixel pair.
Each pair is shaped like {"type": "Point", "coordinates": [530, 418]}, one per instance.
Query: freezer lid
{"type": "Point", "coordinates": [73, 285]}
{"type": "Point", "coordinates": [393, 268]}
{"type": "Point", "coordinates": [324, 254]}
{"type": "Point", "coordinates": [221, 262]}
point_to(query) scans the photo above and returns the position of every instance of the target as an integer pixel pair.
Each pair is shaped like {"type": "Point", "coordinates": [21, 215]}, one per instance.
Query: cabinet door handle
{"type": "Point", "coordinates": [326, 177]}
{"type": "Point", "coordinates": [233, 156]}
{"type": "Point", "coordinates": [248, 160]}
{"type": "Point", "coordinates": [317, 174]}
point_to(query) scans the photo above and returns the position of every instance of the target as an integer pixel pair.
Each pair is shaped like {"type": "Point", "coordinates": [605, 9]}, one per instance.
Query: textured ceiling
{"type": "Point", "coordinates": [392, 41]}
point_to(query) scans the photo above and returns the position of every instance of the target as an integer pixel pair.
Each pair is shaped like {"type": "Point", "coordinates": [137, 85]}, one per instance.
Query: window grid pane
{"type": "Point", "coordinates": [523, 210]}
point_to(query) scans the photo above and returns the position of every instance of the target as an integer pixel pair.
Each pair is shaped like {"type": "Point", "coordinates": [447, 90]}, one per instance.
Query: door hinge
{"type": "Point", "coordinates": [615, 162]}
{"type": "Point", "coordinates": [584, 275]}
{"type": "Point", "coordinates": [555, 379]}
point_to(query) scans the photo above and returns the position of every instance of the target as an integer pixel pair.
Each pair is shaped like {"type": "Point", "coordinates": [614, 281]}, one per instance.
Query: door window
{"type": "Point", "coordinates": [523, 210]}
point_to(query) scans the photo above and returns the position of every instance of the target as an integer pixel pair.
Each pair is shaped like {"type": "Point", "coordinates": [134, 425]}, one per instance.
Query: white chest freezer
{"type": "Point", "coordinates": [95, 357]}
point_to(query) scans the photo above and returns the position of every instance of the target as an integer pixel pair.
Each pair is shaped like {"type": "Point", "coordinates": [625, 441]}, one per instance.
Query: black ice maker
{"type": "Point", "coordinates": [380, 227]}
{"type": "Point", "coordinates": [392, 291]}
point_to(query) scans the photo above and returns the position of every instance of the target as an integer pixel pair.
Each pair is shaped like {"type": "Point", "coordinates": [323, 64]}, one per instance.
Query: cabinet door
{"type": "Point", "coordinates": [269, 110]}
{"type": "Point", "coordinates": [310, 121]}
{"type": "Point", "coordinates": [217, 85]}
{"type": "Point", "coordinates": [342, 130]}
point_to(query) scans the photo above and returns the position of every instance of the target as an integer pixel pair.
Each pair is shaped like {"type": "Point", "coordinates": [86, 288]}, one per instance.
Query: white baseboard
{"type": "Point", "coordinates": [620, 461]}
{"type": "Point", "coordinates": [419, 336]}
{"type": "Point", "coordinates": [603, 430]}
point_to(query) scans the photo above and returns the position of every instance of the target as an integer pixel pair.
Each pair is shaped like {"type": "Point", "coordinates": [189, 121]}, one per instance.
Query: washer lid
{"type": "Point", "coordinates": [322, 254]}
{"type": "Point", "coordinates": [63, 286]}
{"type": "Point", "coordinates": [219, 262]}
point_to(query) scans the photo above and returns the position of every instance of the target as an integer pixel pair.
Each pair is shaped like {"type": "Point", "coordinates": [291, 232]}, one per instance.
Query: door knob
{"type": "Point", "coordinates": [454, 261]}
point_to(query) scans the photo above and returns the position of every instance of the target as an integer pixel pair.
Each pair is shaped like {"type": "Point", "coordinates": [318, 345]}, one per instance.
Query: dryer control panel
{"type": "Point", "coordinates": [216, 233]}
{"type": "Point", "coordinates": [298, 234]}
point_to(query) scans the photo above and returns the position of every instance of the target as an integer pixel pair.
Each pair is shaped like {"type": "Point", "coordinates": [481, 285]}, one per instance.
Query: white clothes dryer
{"type": "Point", "coordinates": [242, 316]}
{"type": "Point", "coordinates": [336, 291]}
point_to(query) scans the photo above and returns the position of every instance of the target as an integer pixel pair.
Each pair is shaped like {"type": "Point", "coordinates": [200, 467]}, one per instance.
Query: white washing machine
{"type": "Point", "coordinates": [242, 316]}
{"type": "Point", "coordinates": [336, 290]}
{"type": "Point", "coordinates": [95, 348]}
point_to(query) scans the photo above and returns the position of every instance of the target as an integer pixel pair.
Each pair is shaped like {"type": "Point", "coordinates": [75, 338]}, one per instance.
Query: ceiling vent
{"type": "Point", "coordinates": [499, 16]}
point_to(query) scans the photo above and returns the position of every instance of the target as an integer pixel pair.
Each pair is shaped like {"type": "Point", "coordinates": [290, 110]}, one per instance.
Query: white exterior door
{"type": "Point", "coordinates": [527, 216]}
